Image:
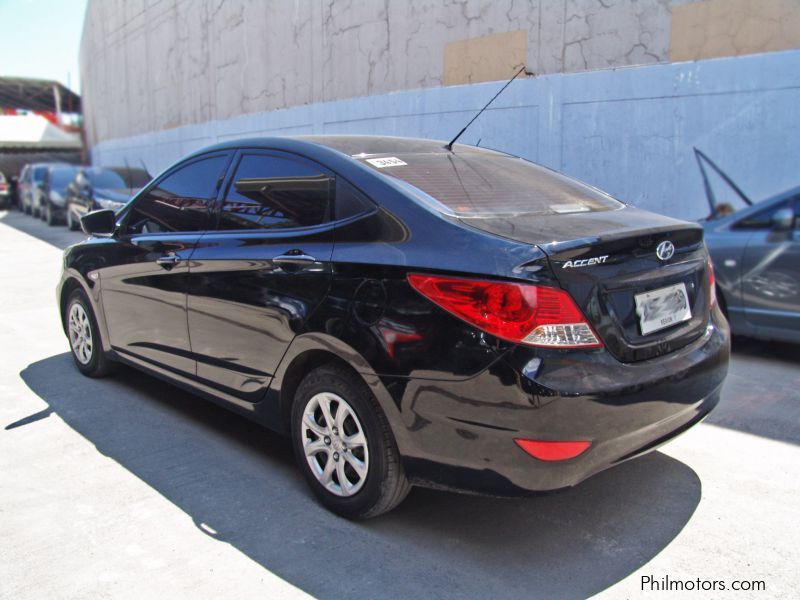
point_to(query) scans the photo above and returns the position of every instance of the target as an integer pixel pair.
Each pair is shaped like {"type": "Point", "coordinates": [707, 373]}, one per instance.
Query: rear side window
{"type": "Point", "coordinates": [763, 218]}
{"type": "Point", "coordinates": [272, 192]}
{"type": "Point", "coordinates": [476, 184]}
{"type": "Point", "coordinates": [180, 201]}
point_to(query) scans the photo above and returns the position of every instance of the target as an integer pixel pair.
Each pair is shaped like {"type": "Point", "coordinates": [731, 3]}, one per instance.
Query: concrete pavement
{"type": "Point", "coordinates": [129, 488]}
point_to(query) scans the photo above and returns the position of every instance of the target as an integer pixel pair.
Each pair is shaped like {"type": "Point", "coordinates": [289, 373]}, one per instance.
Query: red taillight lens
{"type": "Point", "coordinates": [530, 314]}
{"type": "Point", "coordinates": [712, 284]}
{"type": "Point", "coordinates": [550, 451]}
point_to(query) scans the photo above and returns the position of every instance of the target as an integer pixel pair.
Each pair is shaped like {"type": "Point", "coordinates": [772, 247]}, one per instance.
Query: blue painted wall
{"type": "Point", "coordinates": [627, 131]}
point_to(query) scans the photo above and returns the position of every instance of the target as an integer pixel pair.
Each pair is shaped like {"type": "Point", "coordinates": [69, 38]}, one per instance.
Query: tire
{"type": "Point", "coordinates": [71, 224]}
{"type": "Point", "coordinates": [383, 484]}
{"type": "Point", "coordinates": [26, 209]}
{"type": "Point", "coordinates": [48, 215]}
{"type": "Point", "coordinates": [81, 326]}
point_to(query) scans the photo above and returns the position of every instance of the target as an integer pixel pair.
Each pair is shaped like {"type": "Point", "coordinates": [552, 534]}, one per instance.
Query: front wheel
{"type": "Point", "coordinates": [344, 446]}
{"type": "Point", "coordinates": [84, 338]}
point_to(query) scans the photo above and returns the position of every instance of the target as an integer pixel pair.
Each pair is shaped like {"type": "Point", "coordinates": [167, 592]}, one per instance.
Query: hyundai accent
{"type": "Point", "coordinates": [408, 313]}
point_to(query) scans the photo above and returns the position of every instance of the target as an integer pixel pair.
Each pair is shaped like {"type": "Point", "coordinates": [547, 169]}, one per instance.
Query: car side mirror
{"type": "Point", "coordinates": [99, 222]}
{"type": "Point", "coordinates": [783, 219]}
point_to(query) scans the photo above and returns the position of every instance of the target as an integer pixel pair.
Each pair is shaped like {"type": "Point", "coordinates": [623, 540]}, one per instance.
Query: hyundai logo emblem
{"type": "Point", "coordinates": [665, 250]}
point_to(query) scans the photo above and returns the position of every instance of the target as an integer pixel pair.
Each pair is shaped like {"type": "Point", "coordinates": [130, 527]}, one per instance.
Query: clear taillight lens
{"type": "Point", "coordinates": [518, 312]}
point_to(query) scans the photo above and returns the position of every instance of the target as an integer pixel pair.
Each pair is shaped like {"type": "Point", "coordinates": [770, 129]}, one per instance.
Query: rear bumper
{"type": "Point", "coordinates": [460, 435]}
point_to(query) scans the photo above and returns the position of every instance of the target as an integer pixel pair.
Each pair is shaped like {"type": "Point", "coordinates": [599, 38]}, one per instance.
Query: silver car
{"type": "Point", "coordinates": [756, 255]}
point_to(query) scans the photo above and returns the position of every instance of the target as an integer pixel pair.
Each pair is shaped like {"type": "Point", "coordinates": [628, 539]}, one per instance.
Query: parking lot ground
{"type": "Point", "coordinates": [129, 488]}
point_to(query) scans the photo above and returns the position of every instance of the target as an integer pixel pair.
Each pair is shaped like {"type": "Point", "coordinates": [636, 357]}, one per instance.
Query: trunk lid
{"type": "Point", "coordinates": [605, 259]}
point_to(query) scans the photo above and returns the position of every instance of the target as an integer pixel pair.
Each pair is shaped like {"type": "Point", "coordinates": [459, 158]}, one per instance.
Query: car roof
{"type": "Point", "coordinates": [350, 145]}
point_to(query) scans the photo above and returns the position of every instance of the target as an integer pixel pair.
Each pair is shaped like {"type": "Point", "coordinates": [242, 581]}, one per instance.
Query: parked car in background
{"type": "Point", "coordinates": [95, 188]}
{"type": "Point", "coordinates": [31, 183]}
{"type": "Point", "coordinates": [5, 191]}
{"type": "Point", "coordinates": [409, 313]}
{"type": "Point", "coordinates": [756, 254]}
{"type": "Point", "coordinates": [54, 192]}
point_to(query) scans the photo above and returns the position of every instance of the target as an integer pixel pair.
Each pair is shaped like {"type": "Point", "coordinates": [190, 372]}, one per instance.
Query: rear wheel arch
{"type": "Point", "coordinates": [311, 350]}
{"type": "Point", "coordinates": [300, 366]}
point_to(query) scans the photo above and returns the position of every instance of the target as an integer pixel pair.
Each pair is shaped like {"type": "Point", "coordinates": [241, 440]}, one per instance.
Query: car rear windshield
{"type": "Point", "coordinates": [102, 178]}
{"type": "Point", "coordinates": [480, 184]}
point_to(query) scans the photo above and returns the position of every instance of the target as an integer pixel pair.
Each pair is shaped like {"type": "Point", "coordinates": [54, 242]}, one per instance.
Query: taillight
{"type": "Point", "coordinates": [712, 284]}
{"type": "Point", "coordinates": [518, 312]}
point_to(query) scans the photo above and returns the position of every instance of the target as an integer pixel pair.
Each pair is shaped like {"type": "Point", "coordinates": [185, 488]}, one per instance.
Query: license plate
{"type": "Point", "coordinates": [662, 308]}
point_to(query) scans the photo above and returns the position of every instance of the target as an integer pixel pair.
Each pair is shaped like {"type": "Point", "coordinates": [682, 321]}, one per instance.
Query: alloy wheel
{"type": "Point", "coordinates": [334, 444]}
{"type": "Point", "coordinates": [80, 333]}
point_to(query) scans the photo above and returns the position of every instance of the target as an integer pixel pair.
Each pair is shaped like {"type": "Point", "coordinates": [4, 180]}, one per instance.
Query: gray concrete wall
{"type": "Point", "coordinates": [149, 65]}
{"type": "Point", "coordinates": [627, 131]}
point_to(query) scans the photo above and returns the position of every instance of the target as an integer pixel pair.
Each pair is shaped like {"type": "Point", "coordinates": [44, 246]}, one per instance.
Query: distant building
{"type": "Point", "coordinates": [39, 122]}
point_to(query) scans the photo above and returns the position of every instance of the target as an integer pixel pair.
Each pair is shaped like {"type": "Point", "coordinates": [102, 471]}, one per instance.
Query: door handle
{"type": "Point", "coordinates": [294, 259]}
{"type": "Point", "coordinates": [168, 260]}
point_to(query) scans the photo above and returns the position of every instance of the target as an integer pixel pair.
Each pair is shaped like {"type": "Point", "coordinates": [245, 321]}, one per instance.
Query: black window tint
{"type": "Point", "coordinates": [180, 201]}
{"type": "Point", "coordinates": [269, 192]}
{"type": "Point", "coordinates": [349, 201]}
{"type": "Point", "coordinates": [762, 219]}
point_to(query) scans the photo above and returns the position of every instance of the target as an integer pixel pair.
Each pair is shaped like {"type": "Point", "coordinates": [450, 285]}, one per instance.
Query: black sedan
{"type": "Point", "coordinates": [407, 313]}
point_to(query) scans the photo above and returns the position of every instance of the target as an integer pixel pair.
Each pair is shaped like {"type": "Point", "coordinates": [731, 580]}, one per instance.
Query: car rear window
{"type": "Point", "coordinates": [477, 184]}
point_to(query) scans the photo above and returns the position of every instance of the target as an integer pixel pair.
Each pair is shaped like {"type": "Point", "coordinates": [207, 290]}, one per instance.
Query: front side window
{"type": "Point", "coordinates": [763, 218]}
{"type": "Point", "coordinates": [180, 201]}
{"type": "Point", "coordinates": [271, 192]}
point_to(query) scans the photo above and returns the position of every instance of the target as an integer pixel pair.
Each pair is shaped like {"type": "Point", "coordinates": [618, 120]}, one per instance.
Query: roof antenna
{"type": "Point", "coordinates": [517, 74]}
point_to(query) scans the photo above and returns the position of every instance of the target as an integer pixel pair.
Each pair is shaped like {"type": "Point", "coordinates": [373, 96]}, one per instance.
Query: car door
{"type": "Point", "coordinates": [257, 279]}
{"type": "Point", "coordinates": [144, 287]}
{"type": "Point", "coordinates": [771, 270]}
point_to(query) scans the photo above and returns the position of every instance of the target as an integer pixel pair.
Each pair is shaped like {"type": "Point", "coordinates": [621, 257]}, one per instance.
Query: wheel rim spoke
{"type": "Point", "coordinates": [316, 428]}
{"type": "Point", "coordinates": [315, 447]}
{"type": "Point", "coordinates": [344, 485]}
{"type": "Point", "coordinates": [359, 467]}
{"type": "Point", "coordinates": [357, 440]}
{"type": "Point", "coordinates": [326, 477]}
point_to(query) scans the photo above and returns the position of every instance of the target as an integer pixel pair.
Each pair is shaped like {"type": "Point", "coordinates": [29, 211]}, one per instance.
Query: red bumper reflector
{"type": "Point", "coordinates": [553, 450]}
